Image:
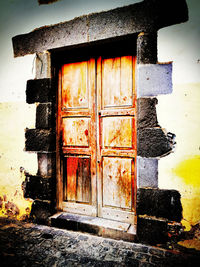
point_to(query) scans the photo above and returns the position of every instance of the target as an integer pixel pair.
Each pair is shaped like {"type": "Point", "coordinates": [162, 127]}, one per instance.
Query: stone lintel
{"type": "Point", "coordinates": [40, 140]}
{"type": "Point", "coordinates": [147, 172]}
{"type": "Point", "coordinates": [146, 16]}
{"type": "Point", "coordinates": [154, 79]}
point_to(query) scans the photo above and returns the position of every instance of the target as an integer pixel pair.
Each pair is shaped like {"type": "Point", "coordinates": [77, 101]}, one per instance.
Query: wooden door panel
{"type": "Point", "coordinates": [76, 109]}
{"type": "Point", "coordinates": [78, 179]}
{"type": "Point", "coordinates": [117, 132]}
{"type": "Point", "coordinates": [117, 137]}
{"type": "Point", "coordinates": [117, 182]}
{"type": "Point", "coordinates": [110, 81]}
{"type": "Point", "coordinates": [97, 128]}
{"type": "Point", "coordinates": [76, 132]}
{"type": "Point", "coordinates": [117, 89]}
{"type": "Point", "coordinates": [75, 85]}
{"type": "Point", "coordinates": [126, 90]}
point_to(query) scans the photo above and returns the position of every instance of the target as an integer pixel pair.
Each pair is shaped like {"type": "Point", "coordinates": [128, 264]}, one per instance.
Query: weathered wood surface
{"type": "Point", "coordinates": [117, 180]}
{"type": "Point", "coordinates": [74, 85]}
{"type": "Point", "coordinates": [116, 115]}
{"type": "Point", "coordinates": [78, 180]}
{"type": "Point", "coordinates": [98, 136]}
{"type": "Point", "coordinates": [77, 128]}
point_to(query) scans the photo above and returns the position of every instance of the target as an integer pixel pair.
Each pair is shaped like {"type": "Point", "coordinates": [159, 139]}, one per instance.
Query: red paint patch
{"type": "Point", "coordinates": [86, 132]}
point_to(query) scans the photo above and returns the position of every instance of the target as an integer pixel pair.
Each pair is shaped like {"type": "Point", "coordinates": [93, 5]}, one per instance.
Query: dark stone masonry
{"type": "Point", "coordinates": [36, 187]}
{"type": "Point", "coordinates": [146, 110]}
{"type": "Point", "coordinates": [152, 142]}
{"type": "Point", "coordinates": [44, 116]}
{"type": "Point", "coordinates": [148, 16]}
{"type": "Point", "coordinates": [159, 203]}
{"type": "Point", "coordinates": [40, 140]}
{"type": "Point", "coordinates": [39, 90]}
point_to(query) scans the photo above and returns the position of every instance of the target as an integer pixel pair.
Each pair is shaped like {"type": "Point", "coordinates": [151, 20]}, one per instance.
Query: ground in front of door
{"type": "Point", "coordinates": [27, 244]}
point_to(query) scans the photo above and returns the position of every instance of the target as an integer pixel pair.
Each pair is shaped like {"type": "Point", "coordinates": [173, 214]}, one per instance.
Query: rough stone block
{"type": "Point", "coordinates": [154, 79]}
{"type": "Point", "coordinates": [117, 22]}
{"type": "Point", "coordinates": [146, 16]}
{"type": "Point", "coordinates": [39, 91]}
{"type": "Point", "coordinates": [93, 225]}
{"type": "Point", "coordinates": [44, 116]}
{"type": "Point", "coordinates": [175, 232]}
{"type": "Point", "coordinates": [41, 211]}
{"type": "Point", "coordinates": [37, 187]}
{"type": "Point", "coordinates": [46, 164]}
{"type": "Point", "coordinates": [153, 142]}
{"type": "Point", "coordinates": [151, 231]}
{"type": "Point", "coordinates": [147, 172]}
{"type": "Point", "coordinates": [146, 112]}
{"type": "Point", "coordinates": [159, 203]}
{"type": "Point", "coordinates": [40, 140]}
{"type": "Point", "coordinates": [48, 37]}
{"type": "Point", "coordinates": [147, 48]}
{"type": "Point", "coordinates": [176, 8]}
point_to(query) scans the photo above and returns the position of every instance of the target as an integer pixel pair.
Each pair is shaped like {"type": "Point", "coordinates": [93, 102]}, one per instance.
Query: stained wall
{"type": "Point", "coordinates": [179, 112]}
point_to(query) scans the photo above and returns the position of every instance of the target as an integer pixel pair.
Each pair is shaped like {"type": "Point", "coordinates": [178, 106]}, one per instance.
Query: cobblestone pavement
{"type": "Point", "coordinates": [26, 244]}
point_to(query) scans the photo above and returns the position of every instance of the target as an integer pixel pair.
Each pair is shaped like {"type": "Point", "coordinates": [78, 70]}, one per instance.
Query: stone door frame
{"type": "Point", "coordinates": [140, 21]}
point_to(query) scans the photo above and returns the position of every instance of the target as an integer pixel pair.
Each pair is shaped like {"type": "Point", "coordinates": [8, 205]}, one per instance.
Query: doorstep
{"type": "Point", "coordinates": [94, 225]}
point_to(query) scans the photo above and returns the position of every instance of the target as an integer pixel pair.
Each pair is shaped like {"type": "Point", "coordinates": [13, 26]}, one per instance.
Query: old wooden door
{"type": "Point", "coordinates": [96, 125]}
{"type": "Point", "coordinates": [77, 133]}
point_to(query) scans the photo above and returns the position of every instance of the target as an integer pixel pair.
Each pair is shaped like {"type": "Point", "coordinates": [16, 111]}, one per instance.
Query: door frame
{"type": "Point", "coordinates": [59, 170]}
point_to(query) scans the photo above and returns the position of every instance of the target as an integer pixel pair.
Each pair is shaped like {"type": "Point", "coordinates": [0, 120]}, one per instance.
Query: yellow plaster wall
{"type": "Point", "coordinates": [180, 114]}
{"type": "Point", "coordinates": [14, 118]}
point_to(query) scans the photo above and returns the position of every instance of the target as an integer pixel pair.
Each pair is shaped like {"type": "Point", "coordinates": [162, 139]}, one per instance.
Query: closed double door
{"type": "Point", "coordinates": [97, 139]}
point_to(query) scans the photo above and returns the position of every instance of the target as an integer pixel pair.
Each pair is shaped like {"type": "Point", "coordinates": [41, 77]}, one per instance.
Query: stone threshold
{"type": "Point", "coordinates": [94, 225]}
